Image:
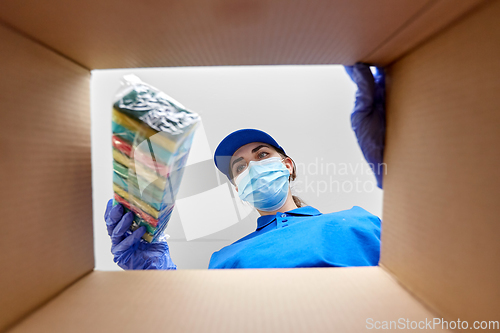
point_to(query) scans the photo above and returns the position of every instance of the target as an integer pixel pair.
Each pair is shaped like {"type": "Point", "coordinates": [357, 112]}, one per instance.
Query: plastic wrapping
{"type": "Point", "coordinates": [152, 137]}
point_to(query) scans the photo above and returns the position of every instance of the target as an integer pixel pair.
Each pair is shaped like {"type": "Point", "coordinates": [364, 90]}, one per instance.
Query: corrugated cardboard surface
{"type": "Point", "coordinates": [441, 224]}
{"type": "Point", "coordinates": [440, 227]}
{"type": "Point", "coordinates": [119, 34]}
{"type": "Point", "coordinates": [46, 235]}
{"type": "Point", "coordinates": [436, 15]}
{"type": "Point", "coordinates": [253, 300]}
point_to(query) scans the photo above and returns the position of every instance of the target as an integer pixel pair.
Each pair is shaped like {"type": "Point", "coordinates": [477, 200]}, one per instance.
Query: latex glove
{"type": "Point", "coordinates": [368, 116]}
{"type": "Point", "coordinates": [129, 250]}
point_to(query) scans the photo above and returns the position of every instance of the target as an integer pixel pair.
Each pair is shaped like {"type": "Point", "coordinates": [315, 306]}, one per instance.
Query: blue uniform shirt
{"type": "Point", "coordinates": [304, 237]}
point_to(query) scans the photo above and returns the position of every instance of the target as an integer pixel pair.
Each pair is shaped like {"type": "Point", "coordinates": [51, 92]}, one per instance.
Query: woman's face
{"type": "Point", "coordinates": [254, 151]}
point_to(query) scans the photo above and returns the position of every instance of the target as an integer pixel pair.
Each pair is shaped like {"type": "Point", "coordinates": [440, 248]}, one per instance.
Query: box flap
{"type": "Point", "coordinates": [248, 300]}
{"type": "Point", "coordinates": [120, 34]}
{"type": "Point", "coordinates": [46, 241]}
{"type": "Point", "coordinates": [441, 192]}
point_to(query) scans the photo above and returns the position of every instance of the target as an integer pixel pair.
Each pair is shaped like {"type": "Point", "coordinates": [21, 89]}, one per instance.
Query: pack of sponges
{"type": "Point", "coordinates": [152, 137]}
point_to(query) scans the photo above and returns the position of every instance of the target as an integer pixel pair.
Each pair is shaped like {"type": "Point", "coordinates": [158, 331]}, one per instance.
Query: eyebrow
{"type": "Point", "coordinates": [253, 151]}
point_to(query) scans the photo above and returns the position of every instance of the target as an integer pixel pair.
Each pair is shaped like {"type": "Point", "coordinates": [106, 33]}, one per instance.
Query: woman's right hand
{"type": "Point", "coordinates": [129, 250]}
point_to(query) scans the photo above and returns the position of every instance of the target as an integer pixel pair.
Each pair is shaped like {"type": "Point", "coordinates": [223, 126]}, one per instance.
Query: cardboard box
{"type": "Point", "coordinates": [440, 252]}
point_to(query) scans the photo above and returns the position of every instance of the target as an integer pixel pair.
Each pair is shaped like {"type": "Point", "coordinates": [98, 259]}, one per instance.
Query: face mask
{"type": "Point", "coordinates": [264, 184]}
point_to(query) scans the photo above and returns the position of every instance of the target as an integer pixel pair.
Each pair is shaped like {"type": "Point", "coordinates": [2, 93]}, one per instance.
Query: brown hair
{"type": "Point", "coordinates": [298, 201]}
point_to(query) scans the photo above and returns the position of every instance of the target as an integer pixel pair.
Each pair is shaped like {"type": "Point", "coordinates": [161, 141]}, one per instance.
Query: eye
{"type": "Point", "coordinates": [262, 154]}
{"type": "Point", "coordinates": [240, 168]}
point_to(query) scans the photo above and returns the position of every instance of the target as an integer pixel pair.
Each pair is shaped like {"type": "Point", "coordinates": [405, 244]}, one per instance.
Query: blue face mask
{"type": "Point", "coordinates": [264, 184]}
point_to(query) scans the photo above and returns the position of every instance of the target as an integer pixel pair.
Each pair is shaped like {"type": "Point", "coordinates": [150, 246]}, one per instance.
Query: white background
{"type": "Point", "coordinates": [305, 108]}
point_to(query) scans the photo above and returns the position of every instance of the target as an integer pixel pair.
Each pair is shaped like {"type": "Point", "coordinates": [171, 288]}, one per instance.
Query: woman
{"type": "Point", "coordinates": [289, 233]}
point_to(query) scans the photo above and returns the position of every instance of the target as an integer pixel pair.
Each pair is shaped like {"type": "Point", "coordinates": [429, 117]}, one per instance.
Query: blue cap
{"type": "Point", "coordinates": [231, 143]}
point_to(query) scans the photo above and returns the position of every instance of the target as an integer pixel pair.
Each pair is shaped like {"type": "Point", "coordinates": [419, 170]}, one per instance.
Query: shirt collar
{"type": "Point", "coordinates": [265, 220]}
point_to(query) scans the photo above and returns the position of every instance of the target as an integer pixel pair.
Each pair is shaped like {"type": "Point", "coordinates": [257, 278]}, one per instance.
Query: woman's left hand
{"type": "Point", "coordinates": [368, 116]}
